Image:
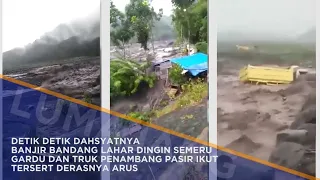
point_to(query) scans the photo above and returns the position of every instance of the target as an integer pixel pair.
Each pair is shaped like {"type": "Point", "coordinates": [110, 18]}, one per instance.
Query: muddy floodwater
{"type": "Point", "coordinates": [75, 78]}
{"type": "Point", "coordinates": [251, 117]}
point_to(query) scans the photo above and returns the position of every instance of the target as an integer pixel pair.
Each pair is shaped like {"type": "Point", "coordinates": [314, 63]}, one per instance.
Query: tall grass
{"type": "Point", "coordinates": [193, 93]}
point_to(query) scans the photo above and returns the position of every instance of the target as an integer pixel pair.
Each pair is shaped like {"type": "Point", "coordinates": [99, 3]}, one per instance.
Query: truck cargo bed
{"type": "Point", "coordinates": [266, 75]}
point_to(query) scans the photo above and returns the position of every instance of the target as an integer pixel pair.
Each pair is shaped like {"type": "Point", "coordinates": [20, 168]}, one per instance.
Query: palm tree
{"type": "Point", "coordinates": [127, 75]}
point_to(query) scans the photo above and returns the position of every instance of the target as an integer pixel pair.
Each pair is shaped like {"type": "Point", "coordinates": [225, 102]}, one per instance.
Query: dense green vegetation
{"type": "Point", "coordinates": [193, 92]}
{"type": "Point", "coordinates": [121, 32]}
{"type": "Point", "coordinates": [127, 76]}
{"type": "Point", "coordinates": [190, 19]}
{"type": "Point", "coordinates": [161, 26]}
{"type": "Point", "coordinates": [140, 22]}
{"type": "Point", "coordinates": [202, 47]}
{"type": "Point", "coordinates": [175, 75]}
{"type": "Point", "coordinates": [137, 21]}
{"type": "Point", "coordinates": [146, 116]}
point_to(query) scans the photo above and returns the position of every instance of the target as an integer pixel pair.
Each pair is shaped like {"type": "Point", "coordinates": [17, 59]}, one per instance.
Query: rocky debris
{"type": "Point", "coordinates": [76, 81]}
{"type": "Point", "coordinates": [79, 78]}
{"type": "Point", "coordinates": [161, 51]}
{"type": "Point", "coordinates": [310, 138]}
{"type": "Point", "coordinates": [192, 126]}
{"type": "Point", "coordinates": [94, 91]}
{"type": "Point", "coordinates": [284, 103]}
{"type": "Point", "coordinates": [296, 146]}
{"type": "Point", "coordinates": [143, 101]}
{"type": "Point", "coordinates": [292, 135]}
{"type": "Point", "coordinates": [302, 85]}
{"type": "Point", "coordinates": [305, 116]}
{"type": "Point", "coordinates": [282, 127]}
{"type": "Point", "coordinates": [244, 144]}
{"type": "Point", "coordinates": [288, 154]}
{"type": "Point", "coordinates": [146, 108]}
{"type": "Point", "coordinates": [188, 171]}
{"type": "Point", "coordinates": [310, 100]}
{"type": "Point", "coordinates": [241, 120]}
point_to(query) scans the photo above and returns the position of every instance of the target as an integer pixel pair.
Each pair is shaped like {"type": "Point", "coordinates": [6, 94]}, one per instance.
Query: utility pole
{"type": "Point", "coordinates": [188, 22]}
{"type": "Point", "coordinates": [152, 40]}
{"type": "Point", "coordinates": [181, 38]}
{"type": "Point", "coordinates": [188, 31]}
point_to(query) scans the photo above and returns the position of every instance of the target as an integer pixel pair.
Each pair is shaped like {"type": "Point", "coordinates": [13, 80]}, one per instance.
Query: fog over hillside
{"type": "Point", "coordinates": [86, 29]}
{"type": "Point", "coordinates": [308, 37]}
{"type": "Point", "coordinates": [163, 29]}
{"type": "Point", "coordinates": [80, 37]}
{"type": "Point", "coordinates": [254, 20]}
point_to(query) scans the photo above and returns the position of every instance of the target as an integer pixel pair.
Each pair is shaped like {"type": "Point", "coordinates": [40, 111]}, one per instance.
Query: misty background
{"type": "Point", "coordinates": [66, 29]}
{"type": "Point", "coordinates": [163, 29]}
{"type": "Point", "coordinates": [166, 5]}
{"type": "Point", "coordinates": [273, 20]}
{"type": "Point", "coordinates": [58, 30]}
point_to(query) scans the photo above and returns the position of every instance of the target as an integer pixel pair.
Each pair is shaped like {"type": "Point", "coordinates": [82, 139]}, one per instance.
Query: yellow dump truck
{"type": "Point", "coordinates": [269, 75]}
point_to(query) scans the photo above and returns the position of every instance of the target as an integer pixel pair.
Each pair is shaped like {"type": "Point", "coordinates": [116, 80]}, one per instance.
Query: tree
{"type": "Point", "coordinates": [126, 77]}
{"type": "Point", "coordinates": [121, 32]}
{"type": "Point", "coordinates": [121, 36]}
{"type": "Point", "coordinates": [115, 15]}
{"type": "Point", "coordinates": [182, 3]}
{"type": "Point", "coordinates": [190, 19]}
{"type": "Point", "coordinates": [142, 17]}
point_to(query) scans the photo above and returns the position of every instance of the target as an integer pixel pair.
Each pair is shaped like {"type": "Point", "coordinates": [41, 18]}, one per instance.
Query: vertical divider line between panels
{"type": "Point", "coordinates": [1, 89]}
{"type": "Point", "coordinates": [105, 73]}
{"type": "Point", "coordinates": [317, 88]}
{"type": "Point", "coordinates": [212, 75]}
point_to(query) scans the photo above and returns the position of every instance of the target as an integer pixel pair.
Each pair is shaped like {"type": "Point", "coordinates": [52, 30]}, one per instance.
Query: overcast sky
{"type": "Point", "coordinates": [26, 20]}
{"type": "Point", "coordinates": [273, 16]}
{"type": "Point", "coordinates": [166, 5]}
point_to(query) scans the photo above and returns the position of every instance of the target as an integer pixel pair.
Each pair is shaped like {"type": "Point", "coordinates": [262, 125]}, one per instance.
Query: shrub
{"type": "Point", "coordinates": [175, 75]}
{"type": "Point", "coordinates": [202, 47]}
{"type": "Point", "coordinates": [193, 92]}
{"type": "Point", "coordinates": [126, 77]}
{"type": "Point", "coordinates": [146, 116]}
{"type": "Point", "coordinates": [87, 98]}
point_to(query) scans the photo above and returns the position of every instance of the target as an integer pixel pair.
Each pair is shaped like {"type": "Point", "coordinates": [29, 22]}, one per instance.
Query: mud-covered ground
{"type": "Point", "coordinates": [76, 78]}
{"type": "Point", "coordinates": [250, 117]}
{"type": "Point", "coordinates": [160, 50]}
{"type": "Point", "coordinates": [190, 126]}
{"type": "Point", "coordinates": [147, 100]}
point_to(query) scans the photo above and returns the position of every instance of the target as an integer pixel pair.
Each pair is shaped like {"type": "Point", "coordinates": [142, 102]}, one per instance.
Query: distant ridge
{"type": "Point", "coordinates": [309, 36]}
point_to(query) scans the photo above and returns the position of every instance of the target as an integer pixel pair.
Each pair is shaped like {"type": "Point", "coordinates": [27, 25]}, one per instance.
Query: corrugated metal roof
{"type": "Point", "coordinates": [195, 63]}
